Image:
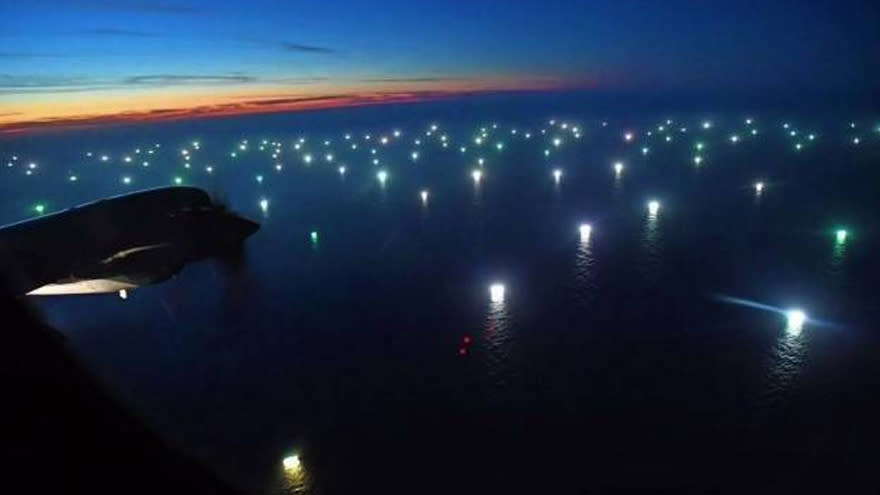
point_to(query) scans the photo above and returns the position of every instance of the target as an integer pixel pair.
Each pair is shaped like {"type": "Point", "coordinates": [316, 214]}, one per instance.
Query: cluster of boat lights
{"type": "Point", "coordinates": [554, 135]}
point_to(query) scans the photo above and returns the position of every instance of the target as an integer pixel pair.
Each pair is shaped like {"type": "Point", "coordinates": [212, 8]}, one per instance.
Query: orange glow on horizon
{"type": "Point", "coordinates": [115, 107]}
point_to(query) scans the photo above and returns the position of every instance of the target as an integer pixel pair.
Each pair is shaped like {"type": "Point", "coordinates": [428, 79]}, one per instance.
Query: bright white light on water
{"type": "Point", "coordinates": [342, 170]}
{"type": "Point", "coordinates": [73, 178]}
{"type": "Point", "coordinates": [645, 151]}
{"type": "Point", "coordinates": [424, 195]}
{"type": "Point", "coordinates": [126, 180]}
{"type": "Point", "coordinates": [123, 294]}
{"type": "Point", "coordinates": [795, 319]}
{"type": "Point", "coordinates": [856, 141]}
{"type": "Point", "coordinates": [557, 142]}
{"type": "Point", "coordinates": [653, 207]}
{"type": "Point", "coordinates": [382, 176]}
{"type": "Point", "coordinates": [841, 235]}
{"type": "Point", "coordinates": [264, 205]}
{"type": "Point", "coordinates": [496, 293]}
{"type": "Point", "coordinates": [628, 137]}
{"type": "Point", "coordinates": [698, 159]}
{"type": "Point", "coordinates": [307, 158]}
{"type": "Point", "coordinates": [291, 463]}
{"type": "Point", "coordinates": [414, 155]}
{"type": "Point", "coordinates": [585, 230]}
{"type": "Point", "coordinates": [557, 175]}
{"type": "Point", "coordinates": [759, 187]}
{"type": "Point", "coordinates": [734, 138]}
{"type": "Point", "coordinates": [618, 168]}
{"type": "Point", "coordinates": [477, 175]}
{"type": "Point", "coordinates": [707, 124]}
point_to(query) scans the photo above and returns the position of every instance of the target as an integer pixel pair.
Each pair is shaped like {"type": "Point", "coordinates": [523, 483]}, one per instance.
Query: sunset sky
{"type": "Point", "coordinates": [106, 59]}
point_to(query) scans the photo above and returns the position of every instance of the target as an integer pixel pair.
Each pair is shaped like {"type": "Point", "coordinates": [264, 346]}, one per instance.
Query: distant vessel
{"type": "Point", "coordinates": [119, 243]}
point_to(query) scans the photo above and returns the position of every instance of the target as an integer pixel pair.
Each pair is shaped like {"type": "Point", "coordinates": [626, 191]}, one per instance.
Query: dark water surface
{"type": "Point", "coordinates": [376, 355]}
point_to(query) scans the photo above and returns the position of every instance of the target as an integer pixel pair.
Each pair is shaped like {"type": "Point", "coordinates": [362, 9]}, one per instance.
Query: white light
{"type": "Point", "coordinates": [759, 187]}
{"type": "Point", "coordinates": [557, 142]}
{"type": "Point", "coordinates": [477, 175]}
{"type": "Point", "coordinates": [557, 175]}
{"type": "Point", "coordinates": [795, 319]}
{"type": "Point", "coordinates": [424, 195]}
{"type": "Point", "coordinates": [264, 205]}
{"type": "Point", "coordinates": [698, 160]}
{"type": "Point", "coordinates": [628, 137]}
{"type": "Point", "coordinates": [307, 158]}
{"type": "Point", "coordinates": [291, 462]}
{"type": "Point", "coordinates": [329, 157]}
{"type": "Point", "coordinates": [496, 293]}
{"type": "Point", "coordinates": [734, 138]}
{"type": "Point", "coordinates": [585, 230]}
{"type": "Point", "coordinates": [653, 207]}
{"type": "Point", "coordinates": [414, 155]}
{"type": "Point", "coordinates": [73, 178]}
{"type": "Point", "coordinates": [123, 294]}
{"type": "Point", "coordinates": [342, 170]}
{"type": "Point", "coordinates": [126, 180]}
{"type": "Point", "coordinates": [645, 151]}
{"type": "Point", "coordinates": [707, 124]}
{"type": "Point", "coordinates": [382, 176]}
{"type": "Point", "coordinates": [618, 168]}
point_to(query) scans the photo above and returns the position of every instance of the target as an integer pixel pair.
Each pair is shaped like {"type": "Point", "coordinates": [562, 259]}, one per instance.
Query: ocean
{"type": "Point", "coordinates": [656, 351]}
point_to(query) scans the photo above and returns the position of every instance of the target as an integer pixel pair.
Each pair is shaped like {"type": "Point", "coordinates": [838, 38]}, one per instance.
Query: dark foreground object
{"type": "Point", "coordinates": [62, 433]}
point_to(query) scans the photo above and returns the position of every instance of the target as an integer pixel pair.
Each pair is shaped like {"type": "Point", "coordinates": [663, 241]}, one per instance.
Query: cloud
{"type": "Point", "coordinates": [30, 55]}
{"type": "Point", "coordinates": [9, 81]}
{"type": "Point", "coordinates": [118, 32]}
{"type": "Point", "coordinates": [299, 47]}
{"type": "Point", "coordinates": [411, 79]}
{"type": "Point", "coordinates": [141, 6]}
{"type": "Point", "coordinates": [182, 79]}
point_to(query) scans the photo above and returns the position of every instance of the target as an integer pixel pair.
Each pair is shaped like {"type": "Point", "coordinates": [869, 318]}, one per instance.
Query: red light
{"type": "Point", "coordinates": [466, 339]}
{"type": "Point", "coordinates": [462, 351]}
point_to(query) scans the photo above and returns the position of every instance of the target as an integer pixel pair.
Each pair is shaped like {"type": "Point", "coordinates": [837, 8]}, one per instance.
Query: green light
{"type": "Point", "coordinates": [39, 208]}
{"type": "Point", "coordinates": [841, 235]}
{"type": "Point", "coordinates": [314, 236]}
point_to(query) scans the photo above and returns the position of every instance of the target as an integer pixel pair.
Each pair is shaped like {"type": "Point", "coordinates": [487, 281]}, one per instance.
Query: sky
{"type": "Point", "coordinates": [64, 61]}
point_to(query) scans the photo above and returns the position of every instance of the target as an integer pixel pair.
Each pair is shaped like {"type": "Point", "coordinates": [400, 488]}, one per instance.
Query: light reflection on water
{"type": "Point", "coordinates": [497, 339]}
{"type": "Point", "coordinates": [652, 249]}
{"type": "Point", "coordinates": [584, 271]}
{"type": "Point", "coordinates": [785, 365]}
{"type": "Point", "coordinates": [838, 257]}
{"type": "Point", "coordinates": [295, 480]}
